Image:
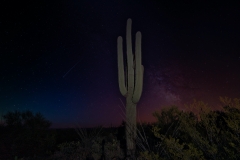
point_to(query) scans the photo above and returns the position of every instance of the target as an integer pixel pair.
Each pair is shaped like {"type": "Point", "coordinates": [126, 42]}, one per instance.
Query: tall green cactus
{"type": "Point", "coordinates": [131, 85]}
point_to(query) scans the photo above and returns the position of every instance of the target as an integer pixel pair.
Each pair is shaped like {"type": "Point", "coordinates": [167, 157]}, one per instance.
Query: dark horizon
{"type": "Point", "coordinates": [60, 58]}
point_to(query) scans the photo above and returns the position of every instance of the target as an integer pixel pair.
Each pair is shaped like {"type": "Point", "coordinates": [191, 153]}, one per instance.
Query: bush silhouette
{"type": "Point", "coordinates": [26, 135]}
{"type": "Point", "coordinates": [205, 134]}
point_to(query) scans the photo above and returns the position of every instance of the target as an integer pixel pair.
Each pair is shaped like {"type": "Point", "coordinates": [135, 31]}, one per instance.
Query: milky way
{"type": "Point", "coordinates": [60, 58]}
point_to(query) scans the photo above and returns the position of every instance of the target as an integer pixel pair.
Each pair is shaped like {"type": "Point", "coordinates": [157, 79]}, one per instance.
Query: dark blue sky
{"type": "Point", "coordinates": [59, 58]}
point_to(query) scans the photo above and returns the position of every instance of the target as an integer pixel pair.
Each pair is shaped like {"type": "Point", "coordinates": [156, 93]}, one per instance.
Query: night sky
{"type": "Point", "coordinates": [59, 57]}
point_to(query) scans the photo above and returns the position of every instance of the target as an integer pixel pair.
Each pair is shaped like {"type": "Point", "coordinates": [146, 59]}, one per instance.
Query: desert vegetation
{"type": "Point", "coordinates": [195, 133]}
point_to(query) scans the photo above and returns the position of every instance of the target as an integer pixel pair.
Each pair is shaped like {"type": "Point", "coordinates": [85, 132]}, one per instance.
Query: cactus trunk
{"type": "Point", "coordinates": [131, 85]}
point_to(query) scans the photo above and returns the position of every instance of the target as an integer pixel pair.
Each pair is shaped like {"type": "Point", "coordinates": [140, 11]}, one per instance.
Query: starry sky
{"type": "Point", "coordinates": [59, 57]}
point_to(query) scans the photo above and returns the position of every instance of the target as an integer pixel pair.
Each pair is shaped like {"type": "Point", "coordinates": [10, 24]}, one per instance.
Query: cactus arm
{"type": "Point", "coordinates": [121, 77]}
{"type": "Point", "coordinates": [138, 90]}
{"type": "Point", "coordinates": [139, 69]}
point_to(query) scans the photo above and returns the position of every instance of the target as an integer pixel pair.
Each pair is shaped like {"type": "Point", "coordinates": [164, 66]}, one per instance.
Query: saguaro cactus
{"type": "Point", "coordinates": [131, 85]}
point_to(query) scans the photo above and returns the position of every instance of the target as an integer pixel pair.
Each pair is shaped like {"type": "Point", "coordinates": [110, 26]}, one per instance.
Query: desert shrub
{"type": "Point", "coordinates": [90, 145]}
{"type": "Point", "coordinates": [199, 134]}
{"type": "Point", "coordinates": [146, 155]}
{"type": "Point", "coordinates": [26, 135]}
